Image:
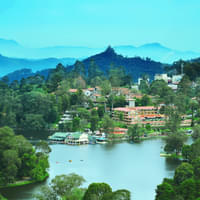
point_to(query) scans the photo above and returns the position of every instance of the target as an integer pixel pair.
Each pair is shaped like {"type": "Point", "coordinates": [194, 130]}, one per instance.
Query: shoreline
{"type": "Point", "coordinates": [24, 182]}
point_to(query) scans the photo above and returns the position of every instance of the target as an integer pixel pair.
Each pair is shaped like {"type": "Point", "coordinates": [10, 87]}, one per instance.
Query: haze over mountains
{"type": "Point", "coordinates": [105, 60]}
{"type": "Point", "coordinates": [155, 51]}
{"type": "Point", "coordinates": [18, 59]}
{"type": "Point", "coordinates": [8, 65]}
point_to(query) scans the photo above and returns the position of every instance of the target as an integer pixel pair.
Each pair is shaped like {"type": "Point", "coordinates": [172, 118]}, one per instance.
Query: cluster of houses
{"type": "Point", "coordinates": [130, 115]}
{"type": "Point", "coordinates": [93, 93]}
{"type": "Point", "coordinates": [171, 81]}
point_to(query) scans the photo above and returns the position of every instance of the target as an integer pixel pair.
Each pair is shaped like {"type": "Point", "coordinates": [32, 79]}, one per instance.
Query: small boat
{"type": "Point", "coordinates": [70, 160]}
{"type": "Point", "coordinates": [101, 140]}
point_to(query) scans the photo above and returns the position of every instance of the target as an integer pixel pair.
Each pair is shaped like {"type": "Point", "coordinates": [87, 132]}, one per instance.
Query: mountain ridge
{"type": "Point", "coordinates": [155, 51]}
{"type": "Point", "coordinates": [135, 66]}
{"type": "Point", "coordinates": [9, 65]}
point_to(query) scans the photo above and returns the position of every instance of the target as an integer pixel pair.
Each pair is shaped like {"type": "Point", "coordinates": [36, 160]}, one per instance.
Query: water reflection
{"type": "Point", "coordinates": [172, 163]}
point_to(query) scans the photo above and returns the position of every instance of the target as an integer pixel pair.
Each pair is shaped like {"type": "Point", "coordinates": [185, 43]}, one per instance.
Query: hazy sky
{"type": "Point", "coordinates": [36, 23]}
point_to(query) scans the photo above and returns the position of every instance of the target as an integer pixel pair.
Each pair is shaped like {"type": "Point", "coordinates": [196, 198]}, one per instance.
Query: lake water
{"type": "Point", "coordinates": [136, 167]}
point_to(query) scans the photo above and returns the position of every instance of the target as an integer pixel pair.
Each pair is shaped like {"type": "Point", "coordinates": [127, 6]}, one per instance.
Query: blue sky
{"type": "Point", "coordinates": [98, 23]}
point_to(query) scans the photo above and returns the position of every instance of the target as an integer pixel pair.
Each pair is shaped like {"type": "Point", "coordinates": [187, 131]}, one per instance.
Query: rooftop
{"type": "Point", "coordinates": [73, 90]}
{"type": "Point", "coordinates": [128, 109]}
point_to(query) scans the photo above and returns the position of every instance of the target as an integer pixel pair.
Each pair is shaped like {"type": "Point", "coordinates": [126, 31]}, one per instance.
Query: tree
{"type": "Point", "coordinates": [76, 124]}
{"type": "Point", "coordinates": [117, 76]}
{"type": "Point", "coordinates": [105, 88]}
{"type": "Point", "coordinates": [196, 166]}
{"type": "Point", "coordinates": [55, 77]}
{"type": "Point", "coordinates": [79, 70]}
{"type": "Point", "coordinates": [77, 194]}
{"type": "Point", "coordinates": [173, 119]}
{"type": "Point", "coordinates": [121, 195]}
{"type": "Point", "coordinates": [43, 147]}
{"type": "Point", "coordinates": [11, 162]}
{"type": "Point", "coordinates": [46, 193]}
{"type": "Point", "coordinates": [119, 101]}
{"type": "Point", "coordinates": [33, 122]}
{"type": "Point", "coordinates": [174, 143]}
{"type": "Point", "coordinates": [96, 191]}
{"type": "Point", "coordinates": [63, 185]}
{"type": "Point", "coordinates": [2, 198]}
{"type": "Point", "coordinates": [18, 159]}
{"type": "Point", "coordinates": [94, 71]}
{"type": "Point", "coordinates": [144, 87]}
{"type": "Point", "coordinates": [192, 152]}
{"type": "Point", "coordinates": [193, 106]}
{"type": "Point", "coordinates": [146, 101]}
{"type": "Point", "coordinates": [134, 132]}
{"type": "Point", "coordinates": [182, 103]}
{"type": "Point", "coordinates": [94, 120]}
{"type": "Point", "coordinates": [101, 111]}
{"type": "Point", "coordinates": [186, 180]}
{"type": "Point", "coordinates": [117, 195]}
{"type": "Point", "coordinates": [165, 191]}
{"type": "Point", "coordinates": [79, 83]}
{"type": "Point", "coordinates": [183, 172]}
{"type": "Point", "coordinates": [186, 152]}
{"type": "Point", "coordinates": [187, 189]}
{"type": "Point", "coordinates": [107, 124]}
{"type": "Point", "coordinates": [96, 81]}
{"type": "Point", "coordinates": [184, 86]}
{"type": "Point", "coordinates": [160, 88]}
{"type": "Point", "coordinates": [196, 132]}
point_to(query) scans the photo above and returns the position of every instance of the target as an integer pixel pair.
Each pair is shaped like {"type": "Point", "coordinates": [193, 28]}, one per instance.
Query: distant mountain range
{"type": "Point", "coordinates": [135, 66]}
{"type": "Point", "coordinates": [155, 51]}
{"type": "Point", "coordinates": [25, 73]}
{"type": "Point", "coordinates": [8, 65]}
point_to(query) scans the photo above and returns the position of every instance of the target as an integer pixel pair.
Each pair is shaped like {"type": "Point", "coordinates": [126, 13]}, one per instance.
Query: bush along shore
{"type": "Point", "coordinates": [25, 181]}
{"type": "Point", "coordinates": [19, 159]}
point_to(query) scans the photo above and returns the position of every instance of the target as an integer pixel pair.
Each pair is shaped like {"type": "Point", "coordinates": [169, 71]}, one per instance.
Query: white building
{"type": "Point", "coordinates": [176, 78]}
{"type": "Point", "coordinates": [173, 86]}
{"type": "Point", "coordinates": [77, 138]}
{"type": "Point", "coordinates": [161, 77]}
{"type": "Point", "coordinates": [135, 87]}
{"type": "Point", "coordinates": [140, 79]}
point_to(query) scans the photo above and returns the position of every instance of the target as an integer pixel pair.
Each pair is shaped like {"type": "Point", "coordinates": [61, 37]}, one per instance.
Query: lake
{"type": "Point", "coordinates": [136, 167]}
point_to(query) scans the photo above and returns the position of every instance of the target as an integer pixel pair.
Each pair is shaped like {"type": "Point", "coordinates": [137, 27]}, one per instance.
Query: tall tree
{"type": "Point", "coordinates": [96, 191]}
{"type": "Point", "coordinates": [135, 132]}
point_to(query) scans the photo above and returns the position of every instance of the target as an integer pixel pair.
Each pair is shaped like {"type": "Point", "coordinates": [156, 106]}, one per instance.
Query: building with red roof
{"type": "Point", "coordinates": [120, 131]}
{"type": "Point", "coordinates": [141, 114]}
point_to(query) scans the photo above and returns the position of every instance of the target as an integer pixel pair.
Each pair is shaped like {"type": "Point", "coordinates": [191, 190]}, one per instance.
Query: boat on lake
{"type": "Point", "coordinates": [101, 140]}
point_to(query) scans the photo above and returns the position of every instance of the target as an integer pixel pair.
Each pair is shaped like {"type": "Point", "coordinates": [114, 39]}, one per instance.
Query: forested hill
{"type": "Point", "coordinates": [8, 65]}
{"type": "Point", "coordinates": [134, 66]}
{"type": "Point", "coordinates": [25, 73]}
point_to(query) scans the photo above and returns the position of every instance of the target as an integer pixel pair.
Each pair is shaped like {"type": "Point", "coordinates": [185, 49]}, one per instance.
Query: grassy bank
{"type": "Point", "coordinates": [25, 182]}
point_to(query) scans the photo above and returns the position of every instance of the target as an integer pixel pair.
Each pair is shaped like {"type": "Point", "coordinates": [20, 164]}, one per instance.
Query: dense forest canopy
{"type": "Point", "coordinates": [19, 159]}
